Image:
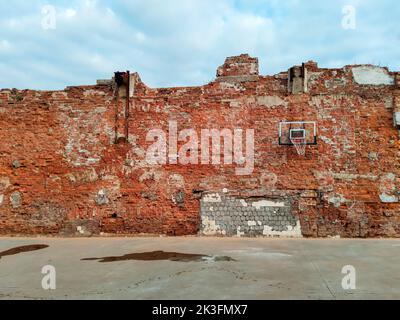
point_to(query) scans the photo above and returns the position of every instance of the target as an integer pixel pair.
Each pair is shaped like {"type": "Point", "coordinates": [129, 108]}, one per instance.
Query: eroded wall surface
{"type": "Point", "coordinates": [73, 162]}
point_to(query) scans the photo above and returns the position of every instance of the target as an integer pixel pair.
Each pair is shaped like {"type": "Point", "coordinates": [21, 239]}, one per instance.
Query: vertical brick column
{"type": "Point", "coordinates": [396, 109]}
{"type": "Point", "coordinates": [120, 116]}
{"type": "Point", "coordinates": [126, 89]}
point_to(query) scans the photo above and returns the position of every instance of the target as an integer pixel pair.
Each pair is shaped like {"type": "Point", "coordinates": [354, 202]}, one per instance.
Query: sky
{"type": "Point", "coordinates": [48, 45]}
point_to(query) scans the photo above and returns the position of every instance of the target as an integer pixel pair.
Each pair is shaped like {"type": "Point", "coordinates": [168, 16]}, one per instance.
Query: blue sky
{"type": "Point", "coordinates": [182, 42]}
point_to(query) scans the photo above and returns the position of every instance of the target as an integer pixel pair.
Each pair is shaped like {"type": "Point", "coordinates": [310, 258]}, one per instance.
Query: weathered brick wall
{"type": "Point", "coordinates": [73, 162]}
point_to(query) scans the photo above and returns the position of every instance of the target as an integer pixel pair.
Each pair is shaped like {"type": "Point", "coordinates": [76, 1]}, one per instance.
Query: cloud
{"type": "Point", "coordinates": [182, 42]}
{"type": "Point", "coordinates": [69, 13]}
{"type": "Point", "coordinates": [4, 45]}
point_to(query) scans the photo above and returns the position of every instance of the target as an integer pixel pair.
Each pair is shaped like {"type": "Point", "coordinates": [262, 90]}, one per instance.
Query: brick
{"type": "Point", "coordinates": [76, 158]}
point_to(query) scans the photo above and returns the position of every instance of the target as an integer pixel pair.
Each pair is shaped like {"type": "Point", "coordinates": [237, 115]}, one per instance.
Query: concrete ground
{"type": "Point", "coordinates": [264, 269]}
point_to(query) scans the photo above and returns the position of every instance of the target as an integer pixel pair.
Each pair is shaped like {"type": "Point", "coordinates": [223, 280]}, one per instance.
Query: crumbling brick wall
{"type": "Point", "coordinates": [73, 162]}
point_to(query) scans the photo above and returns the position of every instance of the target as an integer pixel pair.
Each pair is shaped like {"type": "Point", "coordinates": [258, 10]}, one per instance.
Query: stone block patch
{"type": "Point", "coordinates": [224, 215]}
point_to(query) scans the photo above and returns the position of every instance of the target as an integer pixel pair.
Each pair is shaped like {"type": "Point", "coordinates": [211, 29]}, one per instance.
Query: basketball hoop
{"type": "Point", "coordinates": [300, 145]}
{"type": "Point", "coordinates": [299, 134]}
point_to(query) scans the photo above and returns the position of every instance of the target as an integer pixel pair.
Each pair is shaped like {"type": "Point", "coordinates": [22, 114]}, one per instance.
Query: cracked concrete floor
{"type": "Point", "coordinates": [263, 269]}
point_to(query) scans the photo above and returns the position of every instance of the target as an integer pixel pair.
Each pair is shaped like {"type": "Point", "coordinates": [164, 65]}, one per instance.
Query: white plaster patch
{"type": "Point", "coordinates": [326, 140]}
{"type": "Point", "coordinates": [176, 181]}
{"type": "Point", "coordinates": [391, 176]}
{"type": "Point", "coordinates": [210, 228]}
{"type": "Point", "coordinates": [243, 203]}
{"type": "Point", "coordinates": [371, 75]}
{"type": "Point", "coordinates": [100, 110]}
{"type": "Point", "coordinates": [16, 199]}
{"type": "Point", "coordinates": [254, 68]}
{"type": "Point", "coordinates": [388, 188]}
{"type": "Point", "coordinates": [385, 198]}
{"type": "Point", "coordinates": [271, 101]}
{"type": "Point", "coordinates": [225, 190]}
{"type": "Point", "coordinates": [91, 161]}
{"type": "Point", "coordinates": [102, 197]}
{"type": "Point", "coordinates": [59, 94]}
{"type": "Point", "coordinates": [224, 85]}
{"type": "Point", "coordinates": [388, 102]}
{"type": "Point", "coordinates": [234, 104]}
{"type": "Point", "coordinates": [239, 233]}
{"type": "Point", "coordinates": [110, 132]}
{"type": "Point", "coordinates": [4, 183]}
{"type": "Point", "coordinates": [312, 77]}
{"type": "Point", "coordinates": [1, 199]}
{"type": "Point", "coordinates": [86, 176]}
{"type": "Point", "coordinates": [80, 229]}
{"type": "Point", "coordinates": [351, 176]}
{"type": "Point", "coordinates": [251, 223]}
{"type": "Point", "coordinates": [292, 232]}
{"type": "Point", "coordinates": [150, 175]}
{"type": "Point", "coordinates": [92, 92]}
{"type": "Point", "coordinates": [268, 179]}
{"type": "Point", "coordinates": [212, 198]}
{"type": "Point", "coordinates": [397, 119]}
{"type": "Point", "coordinates": [83, 130]}
{"type": "Point", "coordinates": [337, 200]}
{"type": "Point", "coordinates": [266, 203]}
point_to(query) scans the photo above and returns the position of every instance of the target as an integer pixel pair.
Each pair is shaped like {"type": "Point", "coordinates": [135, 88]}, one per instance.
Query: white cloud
{"type": "Point", "coordinates": [4, 45]}
{"type": "Point", "coordinates": [182, 42]}
{"type": "Point", "coordinates": [69, 13]}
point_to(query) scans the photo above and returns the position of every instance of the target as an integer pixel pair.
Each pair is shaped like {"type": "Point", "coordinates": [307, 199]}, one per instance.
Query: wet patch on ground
{"type": "Point", "coordinates": [23, 249]}
{"type": "Point", "coordinates": [161, 255]}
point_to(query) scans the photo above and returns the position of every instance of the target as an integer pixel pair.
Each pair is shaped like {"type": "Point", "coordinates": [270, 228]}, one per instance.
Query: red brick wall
{"type": "Point", "coordinates": [63, 172]}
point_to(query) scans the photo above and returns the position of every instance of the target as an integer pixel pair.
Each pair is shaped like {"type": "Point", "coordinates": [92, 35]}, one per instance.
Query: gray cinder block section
{"type": "Point", "coordinates": [224, 215]}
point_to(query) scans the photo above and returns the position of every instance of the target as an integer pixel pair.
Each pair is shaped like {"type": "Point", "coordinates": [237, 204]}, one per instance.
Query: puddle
{"type": "Point", "coordinates": [23, 249]}
{"type": "Point", "coordinates": [161, 255]}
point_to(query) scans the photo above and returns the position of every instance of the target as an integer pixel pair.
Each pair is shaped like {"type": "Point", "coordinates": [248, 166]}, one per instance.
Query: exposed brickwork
{"type": "Point", "coordinates": [243, 65]}
{"type": "Point", "coordinates": [73, 161]}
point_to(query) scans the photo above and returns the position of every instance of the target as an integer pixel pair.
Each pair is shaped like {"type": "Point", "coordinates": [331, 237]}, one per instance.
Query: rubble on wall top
{"type": "Point", "coordinates": [244, 68]}
{"type": "Point", "coordinates": [242, 65]}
